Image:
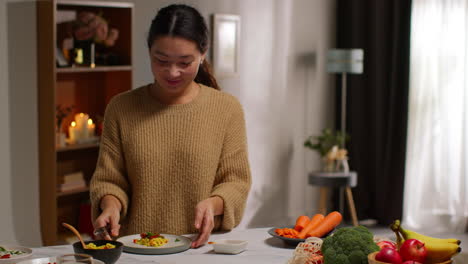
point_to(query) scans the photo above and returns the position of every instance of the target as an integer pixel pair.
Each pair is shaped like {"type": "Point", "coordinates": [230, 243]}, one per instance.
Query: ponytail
{"type": "Point", "coordinates": [205, 76]}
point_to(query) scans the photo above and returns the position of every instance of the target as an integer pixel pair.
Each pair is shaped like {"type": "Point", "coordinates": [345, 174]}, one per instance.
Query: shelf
{"type": "Point", "coordinates": [78, 147]}
{"type": "Point", "coordinates": [89, 90]}
{"type": "Point", "coordinates": [71, 192]}
{"type": "Point", "coordinates": [95, 69]}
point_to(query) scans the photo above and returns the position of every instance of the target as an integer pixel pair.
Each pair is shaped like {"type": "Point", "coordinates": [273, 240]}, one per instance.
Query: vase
{"type": "Point", "coordinates": [340, 165]}
{"type": "Point", "coordinates": [60, 139]}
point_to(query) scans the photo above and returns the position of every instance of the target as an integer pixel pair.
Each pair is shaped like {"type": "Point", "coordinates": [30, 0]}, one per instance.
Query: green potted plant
{"type": "Point", "coordinates": [330, 147]}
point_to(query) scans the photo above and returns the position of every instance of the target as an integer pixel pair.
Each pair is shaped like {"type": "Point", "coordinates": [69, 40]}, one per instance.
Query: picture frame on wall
{"type": "Point", "coordinates": [225, 44]}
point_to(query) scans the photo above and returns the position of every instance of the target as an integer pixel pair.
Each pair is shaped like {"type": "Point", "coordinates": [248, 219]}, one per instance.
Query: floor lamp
{"type": "Point", "coordinates": [345, 61]}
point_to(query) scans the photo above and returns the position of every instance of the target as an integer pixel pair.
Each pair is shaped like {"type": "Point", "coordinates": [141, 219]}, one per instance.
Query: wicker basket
{"type": "Point", "coordinates": [371, 259]}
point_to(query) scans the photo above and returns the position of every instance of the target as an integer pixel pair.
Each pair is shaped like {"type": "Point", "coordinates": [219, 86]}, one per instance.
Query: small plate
{"type": "Point", "coordinates": [14, 259]}
{"type": "Point", "coordinates": [290, 241]}
{"type": "Point", "coordinates": [49, 260]}
{"type": "Point", "coordinates": [172, 246]}
{"type": "Point", "coordinates": [229, 246]}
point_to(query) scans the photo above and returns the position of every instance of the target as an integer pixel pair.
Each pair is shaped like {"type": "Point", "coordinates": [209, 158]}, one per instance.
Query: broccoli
{"type": "Point", "coordinates": [349, 245]}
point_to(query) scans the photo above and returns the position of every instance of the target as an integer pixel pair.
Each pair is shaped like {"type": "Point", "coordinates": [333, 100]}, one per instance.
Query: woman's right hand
{"type": "Point", "coordinates": [110, 217]}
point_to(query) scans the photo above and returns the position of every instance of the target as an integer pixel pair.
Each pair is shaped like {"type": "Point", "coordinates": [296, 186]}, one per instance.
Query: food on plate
{"type": "Point", "coordinates": [301, 222]}
{"type": "Point", "coordinates": [308, 252]}
{"type": "Point", "coordinates": [93, 246]}
{"type": "Point", "coordinates": [287, 232]}
{"type": "Point", "coordinates": [318, 226]}
{"type": "Point", "coordinates": [329, 223]}
{"type": "Point", "coordinates": [6, 254]}
{"type": "Point", "coordinates": [151, 240]}
{"type": "Point", "coordinates": [348, 245]}
{"type": "Point", "coordinates": [437, 249]}
{"type": "Point", "coordinates": [313, 223]}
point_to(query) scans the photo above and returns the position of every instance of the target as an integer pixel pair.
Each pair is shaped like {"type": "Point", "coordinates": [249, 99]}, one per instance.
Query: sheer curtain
{"type": "Point", "coordinates": [436, 183]}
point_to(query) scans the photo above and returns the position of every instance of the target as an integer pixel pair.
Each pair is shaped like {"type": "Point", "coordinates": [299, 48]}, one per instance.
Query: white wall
{"type": "Point", "coordinates": [282, 85]}
{"type": "Point", "coordinates": [22, 75]}
{"type": "Point", "coordinates": [6, 219]}
{"type": "Point", "coordinates": [311, 95]}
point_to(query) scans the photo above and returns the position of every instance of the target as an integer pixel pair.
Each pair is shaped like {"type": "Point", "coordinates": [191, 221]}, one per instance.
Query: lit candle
{"type": "Point", "coordinates": [91, 128]}
{"type": "Point", "coordinates": [72, 132]}
{"type": "Point", "coordinates": [81, 120]}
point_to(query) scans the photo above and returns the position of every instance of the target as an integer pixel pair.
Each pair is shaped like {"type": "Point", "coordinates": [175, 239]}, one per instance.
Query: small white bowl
{"type": "Point", "coordinates": [229, 246]}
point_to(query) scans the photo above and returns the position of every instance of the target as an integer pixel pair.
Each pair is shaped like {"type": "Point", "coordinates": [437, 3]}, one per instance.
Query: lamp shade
{"type": "Point", "coordinates": [345, 61]}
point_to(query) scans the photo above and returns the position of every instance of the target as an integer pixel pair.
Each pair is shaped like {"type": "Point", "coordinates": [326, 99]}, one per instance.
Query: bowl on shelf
{"type": "Point", "coordinates": [371, 260]}
{"type": "Point", "coordinates": [108, 256]}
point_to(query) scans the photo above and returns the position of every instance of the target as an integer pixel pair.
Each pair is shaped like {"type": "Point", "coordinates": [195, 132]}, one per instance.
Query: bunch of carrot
{"type": "Point", "coordinates": [317, 226]}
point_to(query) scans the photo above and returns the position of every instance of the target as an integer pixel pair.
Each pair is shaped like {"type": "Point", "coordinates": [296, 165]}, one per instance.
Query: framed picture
{"type": "Point", "coordinates": [61, 61]}
{"type": "Point", "coordinates": [225, 45]}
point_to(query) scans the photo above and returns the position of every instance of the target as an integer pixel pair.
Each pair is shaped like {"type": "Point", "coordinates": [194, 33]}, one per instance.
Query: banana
{"type": "Point", "coordinates": [408, 234]}
{"type": "Point", "coordinates": [440, 251]}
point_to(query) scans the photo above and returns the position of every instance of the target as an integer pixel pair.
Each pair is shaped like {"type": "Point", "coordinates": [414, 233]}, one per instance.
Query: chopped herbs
{"type": "Point", "coordinates": [177, 240]}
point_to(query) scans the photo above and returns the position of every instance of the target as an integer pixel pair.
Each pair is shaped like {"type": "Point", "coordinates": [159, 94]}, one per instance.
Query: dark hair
{"type": "Point", "coordinates": [184, 21]}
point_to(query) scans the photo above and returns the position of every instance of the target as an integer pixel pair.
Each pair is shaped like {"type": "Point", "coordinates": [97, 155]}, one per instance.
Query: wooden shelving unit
{"type": "Point", "coordinates": [75, 191]}
{"type": "Point", "coordinates": [89, 90]}
{"type": "Point", "coordinates": [77, 147]}
{"type": "Point", "coordinates": [95, 69]}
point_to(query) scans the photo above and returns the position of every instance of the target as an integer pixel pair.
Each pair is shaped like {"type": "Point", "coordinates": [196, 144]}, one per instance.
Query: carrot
{"type": "Point", "coordinates": [315, 221]}
{"type": "Point", "coordinates": [331, 221]}
{"type": "Point", "coordinates": [286, 232]}
{"type": "Point", "coordinates": [301, 222]}
{"type": "Point", "coordinates": [279, 231]}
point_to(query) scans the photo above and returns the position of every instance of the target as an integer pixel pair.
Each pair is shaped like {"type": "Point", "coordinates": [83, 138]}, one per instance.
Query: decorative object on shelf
{"type": "Point", "coordinates": [327, 144]}
{"type": "Point", "coordinates": [61, 60]}
{"type": "Point", "coordinates": [72, 181]}
{"type": "Point", "coordinates": [226, 44]}
{"type": "Point", "coordinates": [92, 35]}
{"type": "Point", "coordinates": [91, 26]}
{"type": "Point", "coordinates": [82, 130]}
{"type": "Point", "coordinates": [60, 114]}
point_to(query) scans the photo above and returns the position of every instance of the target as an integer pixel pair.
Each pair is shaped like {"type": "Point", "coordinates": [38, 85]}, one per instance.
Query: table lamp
{"type": "Point", "coordinates": [345, 61]}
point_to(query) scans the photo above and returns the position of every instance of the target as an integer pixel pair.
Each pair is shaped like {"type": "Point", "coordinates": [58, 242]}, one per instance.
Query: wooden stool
{"type": "Point", "coordinates": [335, 180]}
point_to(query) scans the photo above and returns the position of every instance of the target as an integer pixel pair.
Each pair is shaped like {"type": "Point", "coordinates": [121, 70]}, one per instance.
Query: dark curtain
{"type": "Point", "coordinates": [377, 105]}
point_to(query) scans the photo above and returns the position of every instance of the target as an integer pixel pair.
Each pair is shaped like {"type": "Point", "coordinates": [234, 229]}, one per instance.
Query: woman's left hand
{"type": "Point", "coordinates": [205, 212]}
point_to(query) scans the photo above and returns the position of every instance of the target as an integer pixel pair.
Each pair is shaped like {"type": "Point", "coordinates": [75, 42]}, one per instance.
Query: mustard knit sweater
{"type": "Point", "coordinates": [161, 160]}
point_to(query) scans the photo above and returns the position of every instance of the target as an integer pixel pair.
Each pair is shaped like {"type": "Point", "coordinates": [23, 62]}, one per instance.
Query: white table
{"type": "Point", "coordinates": [262, 248]}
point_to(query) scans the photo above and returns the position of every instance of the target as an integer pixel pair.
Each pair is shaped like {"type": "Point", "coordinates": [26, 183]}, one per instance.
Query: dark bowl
{"type": "Point", "coordinates": [291, 241]}
{"type": "Point", "coordinates": [108, 256]}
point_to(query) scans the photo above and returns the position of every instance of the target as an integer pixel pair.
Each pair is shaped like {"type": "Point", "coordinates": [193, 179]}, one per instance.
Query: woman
{"type": "Point", "coordinates": [173, 155]}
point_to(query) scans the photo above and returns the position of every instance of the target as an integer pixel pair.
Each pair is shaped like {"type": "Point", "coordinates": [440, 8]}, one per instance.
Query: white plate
{"type": "Point", "coordinates": [229, 246]}
{"type": "Point", "coordinates": [171, 247]}
{"type": "Point", "coordinates": [14, 259]}
{"type": "Point", "coordinates": [49, 260]}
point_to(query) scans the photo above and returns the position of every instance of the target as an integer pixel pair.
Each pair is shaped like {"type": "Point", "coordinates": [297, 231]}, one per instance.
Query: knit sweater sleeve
{"type": "Point", "coordinates": [110, 175]}
{"type": "Point", "coordinates": [233, 178]}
